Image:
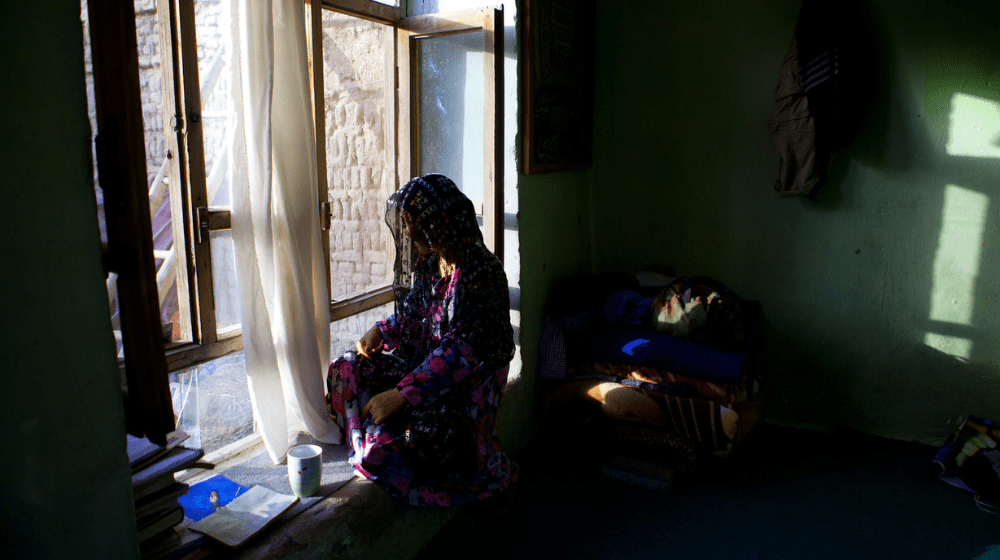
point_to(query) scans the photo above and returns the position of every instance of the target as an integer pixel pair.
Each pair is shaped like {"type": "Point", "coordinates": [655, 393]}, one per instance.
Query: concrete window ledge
{"type": "Point", "coordinates": [357, 521]}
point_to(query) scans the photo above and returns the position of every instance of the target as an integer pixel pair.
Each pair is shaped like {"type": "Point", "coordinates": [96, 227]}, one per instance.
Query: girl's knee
{"type": "Point", "coordinates": [350, 357]}
{"type": "Point", "coordinates": [340, 371]}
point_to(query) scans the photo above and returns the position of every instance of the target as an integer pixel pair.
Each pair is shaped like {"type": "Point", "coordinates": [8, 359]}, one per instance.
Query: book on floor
{"type": "Point", "coordinates": [175, 544]}
{"type": "Point", "coordinates": [245, 516]}
{"type": "Point", "coordinates": [177, 459]}
{"type": "Point", "coordinates": [142, 452]}
{"type": "Point", "coordinates": [153, 486]}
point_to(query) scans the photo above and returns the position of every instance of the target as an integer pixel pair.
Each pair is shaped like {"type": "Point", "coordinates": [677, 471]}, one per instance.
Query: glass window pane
{"type": "Point", "coordinates": [346, 332]}
{"type": "Point", "coordinates": [212, 402]}
{"type": "Point", "coordinates": [213, 30]}
{"type": "Point", "coordinates": [227, 295]}
{"type": "Point", "coordinates": [451, 109]}
{"type": "Point", "coordinates": [359, 144]}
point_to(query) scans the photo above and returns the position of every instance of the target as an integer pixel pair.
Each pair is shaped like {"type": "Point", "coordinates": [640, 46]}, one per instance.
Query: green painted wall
{"type": "Point", "coordinates": [554, 230]}
{"type": "Point", "coordinates": [65, 487]}
{"type": "Point", "coordinates": [881, 300]}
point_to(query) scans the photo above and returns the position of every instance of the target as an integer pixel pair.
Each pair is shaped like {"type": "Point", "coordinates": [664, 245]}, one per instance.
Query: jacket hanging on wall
{"type": "Point", "coordinates": [825, 84]}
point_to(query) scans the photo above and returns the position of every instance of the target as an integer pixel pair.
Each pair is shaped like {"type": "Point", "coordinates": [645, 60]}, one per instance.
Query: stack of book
{"type": "Point", "coordinates": [156, 492]}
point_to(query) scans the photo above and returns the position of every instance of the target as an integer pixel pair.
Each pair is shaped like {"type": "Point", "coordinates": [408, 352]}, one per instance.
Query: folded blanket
{"type": "Point", "coordinates": [627, 307]}
{"type": "Point", "coordinates": [640, 346]}
{"type": "Point", "coordinates": [725, 393]}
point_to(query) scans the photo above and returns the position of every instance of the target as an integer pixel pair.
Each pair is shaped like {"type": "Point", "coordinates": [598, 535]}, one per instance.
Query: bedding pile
{"type": "Point", "coordinates": [660, 366]}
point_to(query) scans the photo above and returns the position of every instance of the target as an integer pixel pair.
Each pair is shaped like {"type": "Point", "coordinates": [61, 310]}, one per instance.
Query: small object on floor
{"type": "Point", "coordinates": [970, 460]}
{"type": "Point", "coordinates": [199, 503]}
{"type": "Point", "coordinates": [639, 473]}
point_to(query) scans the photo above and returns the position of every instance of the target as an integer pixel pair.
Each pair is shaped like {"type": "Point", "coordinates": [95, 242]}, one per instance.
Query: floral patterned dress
{"type": "Point", "coordinates": [447, 351]}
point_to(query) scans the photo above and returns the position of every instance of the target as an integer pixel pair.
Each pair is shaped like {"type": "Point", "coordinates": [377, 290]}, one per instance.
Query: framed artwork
{"type": "Point", "coordinates": [557, 85]}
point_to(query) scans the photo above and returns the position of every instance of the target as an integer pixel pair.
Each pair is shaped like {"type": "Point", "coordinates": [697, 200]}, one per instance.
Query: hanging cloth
{"type": "Point", "coordinates": [276, 229]}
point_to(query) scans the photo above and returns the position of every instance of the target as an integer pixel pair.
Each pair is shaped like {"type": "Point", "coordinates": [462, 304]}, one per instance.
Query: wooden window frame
{"type": "Point", "coordinates": [388, 16]}
{"type": "Point", "coordinates": [122, 176]}
{"type": "Point", "coordinates": [411, 31]}
{"type": "Point", "coordinates": [403, 108]}
{"type": "Point", "coordinates": [185, 138]}
{"type": "Point", "coordinates": [121, 162]}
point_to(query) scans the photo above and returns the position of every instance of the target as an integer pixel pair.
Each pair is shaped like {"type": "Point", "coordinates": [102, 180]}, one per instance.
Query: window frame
{"type": "Point", "coordinates": [388, 16]}
{"type": "Point", "coordinates": [130, 259]}
{"type": "Point", "coordinates": [404, 111]}
{"type": "Point", "coordinates": [179, 33]}
{"type": "Point", "coordinates": [121, 162]}
{"type": "Point", "coordinates": [410, 31]}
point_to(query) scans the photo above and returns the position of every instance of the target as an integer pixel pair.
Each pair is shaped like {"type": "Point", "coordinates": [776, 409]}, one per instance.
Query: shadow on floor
{"type": "Point", "coordinates": [783, 493]}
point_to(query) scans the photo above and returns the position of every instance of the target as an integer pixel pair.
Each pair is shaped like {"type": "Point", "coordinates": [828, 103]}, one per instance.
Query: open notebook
{"type": "Point", "coordinates": [245, 516]}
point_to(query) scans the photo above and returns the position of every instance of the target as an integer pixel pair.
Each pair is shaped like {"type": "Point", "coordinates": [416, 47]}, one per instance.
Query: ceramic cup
{"type": "Point", "coordinates": [305, 469]}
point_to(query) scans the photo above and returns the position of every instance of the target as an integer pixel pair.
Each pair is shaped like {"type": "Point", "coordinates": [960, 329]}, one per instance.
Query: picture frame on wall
{"type": "Point", "coordinates": [557, 85]}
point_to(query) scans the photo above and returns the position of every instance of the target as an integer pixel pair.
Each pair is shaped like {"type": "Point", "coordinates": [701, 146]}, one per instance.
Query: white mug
{"type": "Point", "coordinates": [305, 469]}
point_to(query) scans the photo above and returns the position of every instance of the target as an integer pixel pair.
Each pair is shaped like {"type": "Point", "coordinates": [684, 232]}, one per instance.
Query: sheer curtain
{"type": "Point", "coordinates": [275, 223]}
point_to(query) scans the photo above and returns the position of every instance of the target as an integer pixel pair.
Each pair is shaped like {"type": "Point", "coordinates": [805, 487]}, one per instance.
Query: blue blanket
{"type": "Point", "coordinates": [645, 347]}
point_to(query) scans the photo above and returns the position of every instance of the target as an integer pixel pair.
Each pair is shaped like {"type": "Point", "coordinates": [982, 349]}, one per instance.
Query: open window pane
{"type": "Point", "coordinates": [451, 109]}
{"type": "Point", "coordinates": [169, 261]}
{"type": "Point", "coordinates": [451, 106]}
{"type": "Point", "coordinates": [167, 246]}
{"type": "Point", "coordinates": [359, 144]}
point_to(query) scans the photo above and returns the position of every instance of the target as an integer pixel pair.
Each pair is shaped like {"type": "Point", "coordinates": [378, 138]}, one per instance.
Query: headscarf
{"type": "Point", "coordinates": [441, 214]}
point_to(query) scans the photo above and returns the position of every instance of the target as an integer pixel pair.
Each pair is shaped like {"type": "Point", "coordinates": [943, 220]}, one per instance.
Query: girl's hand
{"type": "Point", "coordinates": [370, 343]}
{"type": "Point", "coordinates": [384, 405]}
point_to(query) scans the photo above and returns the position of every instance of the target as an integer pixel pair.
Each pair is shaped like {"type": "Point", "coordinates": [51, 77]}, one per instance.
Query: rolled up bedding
{"type": "Point", "coordinates": [645, 347]}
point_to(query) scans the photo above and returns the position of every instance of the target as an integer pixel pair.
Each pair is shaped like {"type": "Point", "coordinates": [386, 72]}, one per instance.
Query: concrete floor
{"type": "Point", "coordinates": [783, 493]}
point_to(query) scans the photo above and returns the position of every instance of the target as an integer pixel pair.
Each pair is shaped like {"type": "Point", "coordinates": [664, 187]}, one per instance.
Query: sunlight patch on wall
{"type": "Point", "coordinates": [974, 129]}
{"type": "Point", "coordinates": [952, 345]}
{"type": "Point", "coordinates": [956, 264]}
{"type": "Point", "coordinates": [515, 372]}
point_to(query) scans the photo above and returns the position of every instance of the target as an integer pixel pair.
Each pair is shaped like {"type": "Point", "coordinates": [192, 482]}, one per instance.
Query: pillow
{"type": "Point", "coordinates": [699, 310]}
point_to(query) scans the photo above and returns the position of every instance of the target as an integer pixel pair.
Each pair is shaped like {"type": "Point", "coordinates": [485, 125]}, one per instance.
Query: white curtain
{"type": "Point", "coordinates": [276, 229]}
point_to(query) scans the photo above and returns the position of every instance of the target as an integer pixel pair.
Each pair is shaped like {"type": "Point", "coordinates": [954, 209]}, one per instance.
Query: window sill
{"type": "Point", "coordinates": [359, 520]}
{"type": "Point", "coordinates": [228, 456]}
